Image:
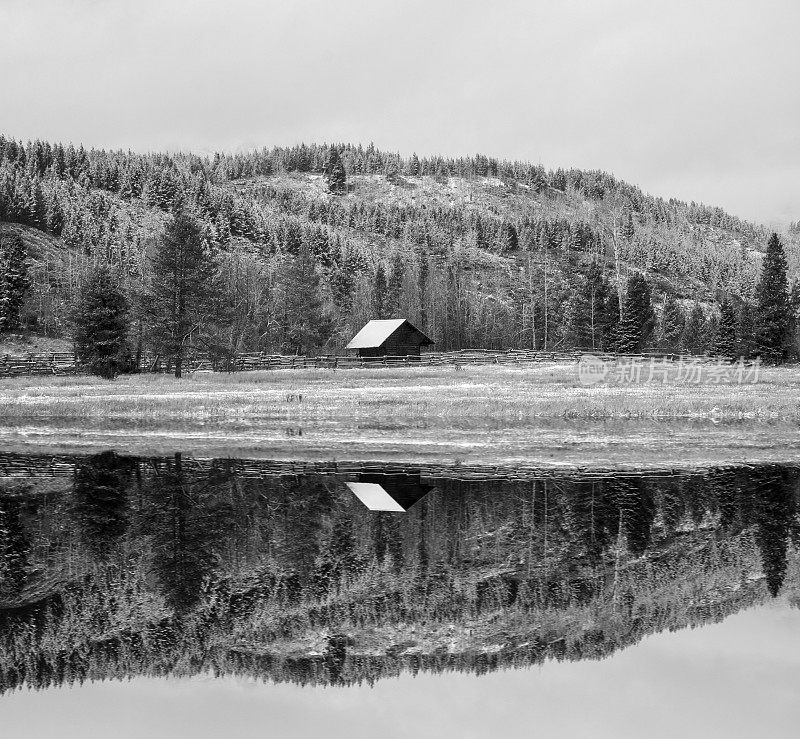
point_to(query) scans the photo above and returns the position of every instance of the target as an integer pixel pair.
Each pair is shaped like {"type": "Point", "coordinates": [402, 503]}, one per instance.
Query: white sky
{"type": "Point", "coordinates": [735, 679]}
{"type": "Point", "coordinates": [698, 100]}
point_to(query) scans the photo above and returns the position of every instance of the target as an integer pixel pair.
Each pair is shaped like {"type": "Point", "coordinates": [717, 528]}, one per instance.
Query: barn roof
{"type": "Point", "coordinates": [376, 332]}
{"type": "Point", "coordinates": [396, 493]}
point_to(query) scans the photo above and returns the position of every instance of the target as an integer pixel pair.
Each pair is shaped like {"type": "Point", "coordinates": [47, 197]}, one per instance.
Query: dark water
{"type": "Point", "coordinates": [243, 572]}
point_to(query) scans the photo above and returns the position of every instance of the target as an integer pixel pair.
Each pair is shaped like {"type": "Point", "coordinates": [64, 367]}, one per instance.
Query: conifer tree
{"type": "Point", "coordinates": [333, 171]}
{"type": "Point", "coordinates": [671, 325]}
{"type": "Point", "coordinates": [725, 343]}
{"type": "Point", "coordinates": [773, 306]}
{"type": "Point", "coordinates": [611, 321]}
{"type": "Point", "coordinates": [510, 237]}
{"type": "Point", "coordinates": [305, 327]}
{"type": "Point", "coordinates": [794, 328]}
{"type": "Point", "coordinates": [588, 311]}
{"type": "Point", "coordinates": [694, 332]}
{"type": "Point", "coordinates": [638, 318]}
{"type": "Point", "coordinates": [180, 299]}
{"type": "Point", "coordinates": [745, 330]}
{"type": "Point", "coordinates": [627, 229]}
{"type": "Point", "coordinates": [14, 281]}
{"type": "Point", "coordinates": [101, 325]}
{"type": "Point", "coordinates": [380, 289]}
{"type": "Point", "coordinates": [394, 287]}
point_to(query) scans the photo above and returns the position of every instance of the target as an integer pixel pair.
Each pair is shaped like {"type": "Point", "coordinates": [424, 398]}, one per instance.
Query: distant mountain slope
{"type": "Point", "coordinates": [477, 251]}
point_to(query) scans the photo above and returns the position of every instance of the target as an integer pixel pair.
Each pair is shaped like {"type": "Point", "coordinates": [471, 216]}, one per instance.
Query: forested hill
{"type": "Point", "coordinates": [475, 251]}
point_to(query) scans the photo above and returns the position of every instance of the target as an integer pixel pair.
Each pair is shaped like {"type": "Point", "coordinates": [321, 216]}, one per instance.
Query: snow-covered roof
{"type": "Point", "coordinates": [395, 493]}
{"type": "Point", "coordinates": [377, 331]}
{"type": "Point", "coordinates": [375, 497]}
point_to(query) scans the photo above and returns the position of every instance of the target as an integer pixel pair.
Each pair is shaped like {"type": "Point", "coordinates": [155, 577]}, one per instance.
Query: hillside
{"type": "Point", "coordinates": [476, 252]}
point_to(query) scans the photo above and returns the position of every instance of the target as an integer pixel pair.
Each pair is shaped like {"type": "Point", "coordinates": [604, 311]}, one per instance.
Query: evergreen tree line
{"type": "Point", "coordinates": [130, 174]}
{"type": "Point", "coordinates": [468, 277]}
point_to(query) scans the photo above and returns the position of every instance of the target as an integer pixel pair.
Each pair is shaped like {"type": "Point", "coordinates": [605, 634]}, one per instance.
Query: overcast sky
{"type": "Point", "coordinates": [698, 100]}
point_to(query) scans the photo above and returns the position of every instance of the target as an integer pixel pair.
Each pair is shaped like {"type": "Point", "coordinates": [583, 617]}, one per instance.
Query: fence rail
{"type": "Point", "coordinates": [67, 363]}
{"type": "Point", "coordinates": [21, 465]}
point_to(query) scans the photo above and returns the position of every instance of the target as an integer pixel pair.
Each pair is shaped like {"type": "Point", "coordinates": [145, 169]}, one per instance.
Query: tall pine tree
{"type": "Point", "coordinates": [611, 321]}
{"type": "Point", "coordinates": [638, 317]}
{"type": "Point", "coordinates": [333, 171]}
{"type": "Point", "coordinates": [394, 287]}
{"type": "Point", "coordinates": [774, 313]}
{"type": "Point", "coordinates": [304, 325]}
{"type": "Point", "coordinates": [14, 281]}
{"type": "Point", "coordinates": [725, 343]}
{"type": "Point", "coordinates": [380, 289]}
{"type": "Point", "coordinates": [180, 300]}
{"type": "Point", "coordinates": [101, 325]}
{"type": "Point", "coordinates": [671, 325]}
{"type": "Point", "coordinates": [694, 332]}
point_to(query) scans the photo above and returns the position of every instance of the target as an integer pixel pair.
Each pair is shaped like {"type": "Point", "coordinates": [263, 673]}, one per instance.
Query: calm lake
{"type": "Point", "coordinates": [164, 596]}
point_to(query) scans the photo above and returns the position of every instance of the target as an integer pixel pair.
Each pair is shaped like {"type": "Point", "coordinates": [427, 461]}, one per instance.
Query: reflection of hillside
{"type": "Point", "coordinates": [163, 568]}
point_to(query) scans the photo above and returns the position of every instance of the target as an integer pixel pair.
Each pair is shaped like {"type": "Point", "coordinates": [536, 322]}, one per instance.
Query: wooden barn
{"type": "Point", "coordinates": [395, 337]}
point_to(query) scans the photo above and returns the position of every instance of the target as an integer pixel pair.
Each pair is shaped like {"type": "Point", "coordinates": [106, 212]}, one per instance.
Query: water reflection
{"type": "Point", "coordinates": [113, 566]}
{"type": "Point", "coordinates": [389, 492]}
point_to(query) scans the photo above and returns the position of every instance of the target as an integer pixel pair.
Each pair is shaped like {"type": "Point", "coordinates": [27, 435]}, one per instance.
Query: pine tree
{"type": "Point", "coordinates": [180, 299]}
{"type": "Point", "coordinates": [333, 171]}
{"type": "Point", "coordinates": [304, 325]}
{"type": "Point", "coordinates": [774, 309]}
{"type": "Point", "coordinates": [611, 321]}
{"type": "Point", "coordinates": [14, 281]}
{"type": "Point", "coordinates": [794, 328]}
{"type": "Point", "coordinates": [725, 344]}
{"type": "Point", "coordinates": [745, 330]}
{"type": "Point", "coordinates": [380, 289]}
{"type": "Point", "coordinates": [694, 332]}
{"type": "Point", "coordinates": [511, 238]}
{"type": "Point", "coordinates": [101, 325]}
{"type": "Point", "coordinates": [627, 231]}
{"type": "Point", "coordinates": [671, 325]}
{"type": "Point", "coordinates": [638, 318]}
{"type": "Point", "coordinates": [588, 311]}
{"type": "Point", "coordinates": [394, 287]}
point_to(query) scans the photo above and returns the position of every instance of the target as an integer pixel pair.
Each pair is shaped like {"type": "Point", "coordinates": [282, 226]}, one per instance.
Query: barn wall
{"type": "Point", "coordinates": [403, 342]}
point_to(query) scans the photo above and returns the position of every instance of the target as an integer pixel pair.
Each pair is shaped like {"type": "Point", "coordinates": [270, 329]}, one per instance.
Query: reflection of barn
{"type": "Point", "coordinates": [389, 492]}
{"type": "Point", "coordinates": [395, 337]}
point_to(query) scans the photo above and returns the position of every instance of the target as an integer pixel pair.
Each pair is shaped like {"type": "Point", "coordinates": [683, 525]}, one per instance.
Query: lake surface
{"type": "Point", "coordinates": [172, 595]}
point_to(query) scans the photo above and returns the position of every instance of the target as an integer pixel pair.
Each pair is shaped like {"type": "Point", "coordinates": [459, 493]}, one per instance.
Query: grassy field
{"type": "Point", "coordinates": [487, 415]}
{"type": "Point", "coordinates": [485, 393]}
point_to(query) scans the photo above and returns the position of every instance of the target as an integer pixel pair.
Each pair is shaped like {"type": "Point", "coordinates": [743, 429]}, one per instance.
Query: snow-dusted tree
{"type": "Point", "coordinates": [14, 280]}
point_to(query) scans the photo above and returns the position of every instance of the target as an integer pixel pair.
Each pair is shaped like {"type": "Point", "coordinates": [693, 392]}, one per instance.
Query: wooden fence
{"type": "Point", "coordinates": [67, 363]}
{"type": "Point", "coordinates": [21, 465]}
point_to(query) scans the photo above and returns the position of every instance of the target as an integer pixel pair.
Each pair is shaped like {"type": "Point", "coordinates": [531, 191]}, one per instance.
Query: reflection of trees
{"type": "Point", "coordinates": [339, 559]}
{"type": "Point", "coordinates": [188, 526]}
{"type": "Point", "coordinates": [100, 495]}
{"type": "Point", "coordinates": [774, 515]}
{"type": "Point", "coordinates": [14, 547]}
{"type": "Point", "coordinates": [303, 503]}
{"type": "Point", "coordinates": [634, 497]}
{"type": "Point", "coordinates": [292, 577]}
{"type": "Point", "coordinates": [335, 655]}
